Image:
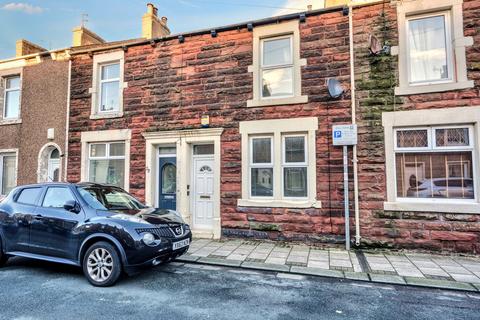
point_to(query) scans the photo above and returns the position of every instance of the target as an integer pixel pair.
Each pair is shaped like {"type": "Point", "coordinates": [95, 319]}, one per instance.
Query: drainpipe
{"type": "Point", "coordinates": [354, 115]}
{"type": "Point", "coordinates": [65, 153]}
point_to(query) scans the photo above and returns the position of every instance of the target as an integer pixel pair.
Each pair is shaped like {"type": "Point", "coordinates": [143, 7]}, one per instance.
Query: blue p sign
{"type": "Point", "coordinates": [337, 134]}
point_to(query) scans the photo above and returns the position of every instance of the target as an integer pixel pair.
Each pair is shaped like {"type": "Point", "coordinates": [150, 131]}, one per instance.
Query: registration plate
{"type": "Point", "coordinates": [181, 244]}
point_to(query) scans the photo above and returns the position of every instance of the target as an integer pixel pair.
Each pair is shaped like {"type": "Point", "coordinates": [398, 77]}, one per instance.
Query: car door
{"type": "Point", "coordinates": [16, 226]}
{"type": "Point", "coordinates": [52, 231]}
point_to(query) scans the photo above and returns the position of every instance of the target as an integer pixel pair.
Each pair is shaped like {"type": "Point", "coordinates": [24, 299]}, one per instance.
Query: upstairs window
{"type": "Point", "coordinates": [435, 163]}
{"type": "Point", "coordinates": [109, 87]}
{"type": "Point", "coordinates": [11, 108]}
{"type": "Point", "coordinates": [277, 67]}
{"type": "Point", "coordinates": [430, 48]}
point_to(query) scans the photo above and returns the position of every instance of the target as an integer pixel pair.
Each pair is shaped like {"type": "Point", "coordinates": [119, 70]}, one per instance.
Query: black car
{"type": "Point", "coordinates": [101, 228]}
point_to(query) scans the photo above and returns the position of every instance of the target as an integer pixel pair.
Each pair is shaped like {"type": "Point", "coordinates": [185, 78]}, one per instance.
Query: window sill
{"type": "Point", "coordinates": [401, 91]}
{"type": "Point", "coordinates": [279, 203]}
{"type": "Point", "coordinates": [106, 115]}
{"type": "Point", "coordinates": [9, 122]}
{"type": "Point", "coordinates": [277, 102]}
{"type": "Point", "coordinates": [445, 207]}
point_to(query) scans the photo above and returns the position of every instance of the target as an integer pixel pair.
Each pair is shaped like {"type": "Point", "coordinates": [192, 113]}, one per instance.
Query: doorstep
{"type": "Point", "coordinates": [413, 269]}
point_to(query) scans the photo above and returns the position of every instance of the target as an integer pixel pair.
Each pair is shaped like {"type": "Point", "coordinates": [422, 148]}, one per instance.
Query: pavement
{"type": "Point", "coordinates": [402, 268]}
{"type": "Point", "coordinates": [37, 290]}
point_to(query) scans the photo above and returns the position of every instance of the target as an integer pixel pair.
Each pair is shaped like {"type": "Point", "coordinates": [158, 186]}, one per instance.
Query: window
{"type": "Point", "coordinates": [107, 163]}
{"type": "Point", "coordinates": [11, 109]}
{"type": "Point", "coordinates": [277, 65]}
{"type": "Point", "coordinates": [29, 196]}
{"type": "Point", "coordinates": [109, 87]}
{"type": "Point", "coordinates": [8, 174]}
{"type": "Point", "coordinates": [429, 48]}
{"type": "Point", "coordinates": [203, 149]}
{"type": "Point", "coordinates": [432, 47]}
{"type": "Point", "coordinates": [434, 162]}
{"type": "Point", "coordinates": [278, 163]}
{"type": "Point", "coordinates": [261, 167]}
{"type": "Point", "coordinates": [56, 197]}
{"type": "Point", "coordinates": [294, 166]}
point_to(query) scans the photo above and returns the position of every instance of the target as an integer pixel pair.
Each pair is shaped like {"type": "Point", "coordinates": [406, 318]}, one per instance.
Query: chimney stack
{"type": "Point", "coordinates": [152, 26]}
{"type": "Point", "coordinates": [84, 37]}
{"type": "Point", "coordinates": [24, 47]}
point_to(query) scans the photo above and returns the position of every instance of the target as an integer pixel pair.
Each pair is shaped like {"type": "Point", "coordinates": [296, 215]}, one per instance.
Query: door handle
{"type": "Point", "coordinates": [37, 217]}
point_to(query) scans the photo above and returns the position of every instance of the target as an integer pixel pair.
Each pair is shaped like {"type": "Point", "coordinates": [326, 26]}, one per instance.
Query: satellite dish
{"type": "Point", "coordinates": [335, 89]}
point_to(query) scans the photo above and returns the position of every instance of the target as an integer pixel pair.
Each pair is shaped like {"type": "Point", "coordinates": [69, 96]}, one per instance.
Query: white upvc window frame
{"type": "Point", "coordinates": [7, 90]}
{"type": "Point", "coordinates": [433, 148]}
{"type": "Point", "coordinates": [286, 164]}
{"type": "Point", "coordinates": [264, 67]}
{"type": "Point", "coordinates": [435, 119]}
{"type": "Point", "coordinates": [105, 136]}
{"type": "Point", "coordinates": [100, 86]}
{"type": "Point", "coordinates": [100, 60]}
{"type": "Point", "coordinates": [448, 47]}
{"type": "Point", "coordinates": [254, 165]}
{"type": "Point", "coordinates": [270, 32]}
{"type": "Point", "coordinates": [278, 129]}
{"type": "Point", "coordinates": [7, 153]}
{"type": "Point", "coordinates": [107, 154]}
{"type": "Point", "coordinates": [458, 70]}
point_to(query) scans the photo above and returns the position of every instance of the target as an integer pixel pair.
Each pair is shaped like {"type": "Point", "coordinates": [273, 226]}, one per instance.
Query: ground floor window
{"type": "Point", "coordinates": [278, 163]}
{"type": "Point", "coordinates": [8, 170]}
{"type": "Point", "coordinates": [435, 162]}
{"type": "Point", "coordinates": [106, 163]}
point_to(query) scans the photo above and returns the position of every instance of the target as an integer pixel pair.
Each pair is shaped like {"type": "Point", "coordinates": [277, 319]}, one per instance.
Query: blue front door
{"type": "Point", "coordinates": [167, 195]}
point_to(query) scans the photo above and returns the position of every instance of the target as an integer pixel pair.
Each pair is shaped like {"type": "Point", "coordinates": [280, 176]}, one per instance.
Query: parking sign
{"type": "Point", "coordinates": [344, 135]}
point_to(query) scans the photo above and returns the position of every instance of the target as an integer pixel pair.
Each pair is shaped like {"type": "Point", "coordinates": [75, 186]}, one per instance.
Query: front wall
{"type": "Point", "coordinates": [171, 85]}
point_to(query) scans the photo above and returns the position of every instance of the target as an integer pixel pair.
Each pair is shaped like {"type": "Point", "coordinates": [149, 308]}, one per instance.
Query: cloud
{"type": "Point", "coordinates": [22, 7]}
{"type": "Point", "coordinates": [290, 6]}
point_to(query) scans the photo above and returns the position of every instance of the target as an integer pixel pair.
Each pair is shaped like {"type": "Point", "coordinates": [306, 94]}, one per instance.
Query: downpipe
{"type": "Point", "coordinates": [354, 116]}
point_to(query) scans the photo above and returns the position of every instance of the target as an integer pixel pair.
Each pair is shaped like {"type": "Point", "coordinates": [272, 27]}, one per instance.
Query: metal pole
{"type": "Point", "coordinates": [345, 200]}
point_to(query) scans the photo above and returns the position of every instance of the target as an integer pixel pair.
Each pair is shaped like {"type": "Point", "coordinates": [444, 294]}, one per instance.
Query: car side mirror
{"type": "Point", "coordinates": [72, 206]}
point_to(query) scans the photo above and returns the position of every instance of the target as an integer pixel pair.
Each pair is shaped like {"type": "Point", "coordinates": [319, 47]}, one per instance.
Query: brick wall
{"type": "Point", "coordinates": [171, 85]}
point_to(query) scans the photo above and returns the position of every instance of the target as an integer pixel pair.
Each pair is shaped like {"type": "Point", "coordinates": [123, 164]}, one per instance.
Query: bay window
{"type": "Point", "coordinates": [278, 163]}
{"type": "Point", "coordinates": [107, 163]}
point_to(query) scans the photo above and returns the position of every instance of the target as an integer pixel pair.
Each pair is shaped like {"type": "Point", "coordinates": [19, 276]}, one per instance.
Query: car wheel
{"type": "Point", "coordinates": [102, 265]}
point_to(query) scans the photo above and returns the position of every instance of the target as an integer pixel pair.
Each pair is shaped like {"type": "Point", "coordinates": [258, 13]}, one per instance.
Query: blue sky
{"type": "Point", "coordinates": [49, 22]}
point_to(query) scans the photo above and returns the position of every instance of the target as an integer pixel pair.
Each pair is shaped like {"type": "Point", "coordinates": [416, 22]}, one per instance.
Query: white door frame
{"type": "Point", "coordinates": [184, 141]}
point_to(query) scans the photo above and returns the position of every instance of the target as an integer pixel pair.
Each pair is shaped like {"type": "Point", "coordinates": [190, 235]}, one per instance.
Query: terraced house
{"type": "Point", "coordinates": [232, 126]}
{"type": "Point", "coordinates": [33, 117]}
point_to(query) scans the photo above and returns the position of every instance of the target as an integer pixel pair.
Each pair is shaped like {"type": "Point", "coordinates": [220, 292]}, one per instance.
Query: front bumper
{"type": "Point", "coordinates": [150, 256]}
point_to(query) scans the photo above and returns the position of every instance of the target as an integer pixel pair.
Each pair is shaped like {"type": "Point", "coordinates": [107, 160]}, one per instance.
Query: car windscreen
{"type": "Point", "coordinates": [90, 198]}
{"type": "Point", "coordinates": [114, 198]}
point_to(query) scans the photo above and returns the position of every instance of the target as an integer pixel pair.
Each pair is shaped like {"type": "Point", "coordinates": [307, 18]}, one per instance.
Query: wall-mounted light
{"type": "Point", "coordinates": [181, 39]}
{"type": "Point", "coordinates": [345, 11]}
{"type": "Point", "coordinates": [213, 33]}
{"type": "Point", "coordinates": [250, 27]}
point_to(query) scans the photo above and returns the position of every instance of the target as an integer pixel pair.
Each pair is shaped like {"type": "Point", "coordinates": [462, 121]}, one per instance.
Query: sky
{"type": "Point", "coordinates": [49, 23]}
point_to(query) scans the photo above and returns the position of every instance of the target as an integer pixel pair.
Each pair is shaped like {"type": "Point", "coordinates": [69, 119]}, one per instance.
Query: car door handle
{"type": "Point", "coordinates": [37, 217]}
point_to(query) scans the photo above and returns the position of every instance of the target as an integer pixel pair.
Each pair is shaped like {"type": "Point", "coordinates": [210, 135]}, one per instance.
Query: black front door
{"type": "Point", "coordinates": [167, 194]}
{"type": "Point", "coordinates": [51, 230]}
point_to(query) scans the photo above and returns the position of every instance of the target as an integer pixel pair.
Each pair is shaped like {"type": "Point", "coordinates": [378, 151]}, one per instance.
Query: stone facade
{"type": "Point", "coordinates": [172, 84]}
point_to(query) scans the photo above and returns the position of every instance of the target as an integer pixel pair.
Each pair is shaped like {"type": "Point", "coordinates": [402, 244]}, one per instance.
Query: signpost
{"type": "Point", "coordinates": [345, 135]}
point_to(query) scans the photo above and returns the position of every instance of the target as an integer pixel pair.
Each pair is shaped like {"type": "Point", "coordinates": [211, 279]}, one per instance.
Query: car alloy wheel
{"type": "Point", "coordinates": [102, 265]}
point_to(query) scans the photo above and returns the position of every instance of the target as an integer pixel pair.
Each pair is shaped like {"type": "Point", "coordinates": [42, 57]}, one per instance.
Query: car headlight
{"type": "Point", "coordinates": [148, 239]}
